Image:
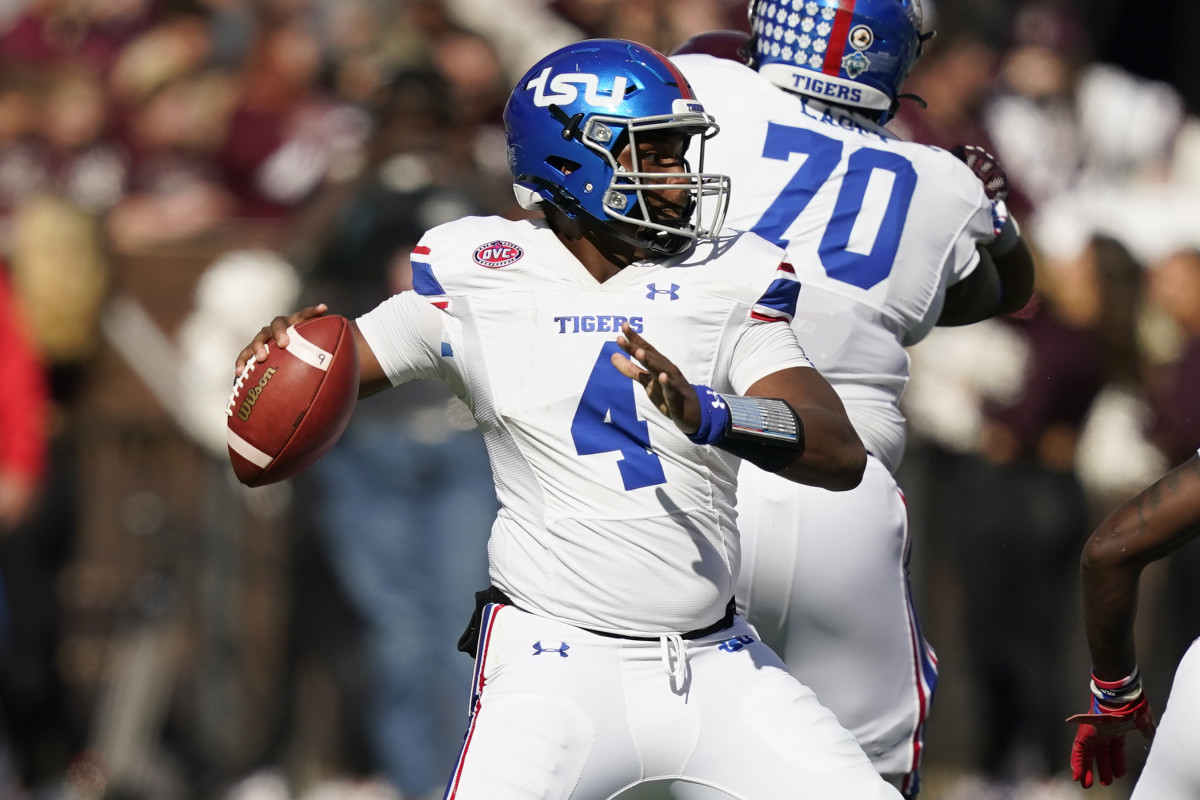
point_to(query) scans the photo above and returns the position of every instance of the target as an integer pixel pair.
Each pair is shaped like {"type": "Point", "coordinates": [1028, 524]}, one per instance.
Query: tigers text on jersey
{"type": "Point", "coordinates": [875, 227]}
{"type": "Point", "coordinates": [610, 518]}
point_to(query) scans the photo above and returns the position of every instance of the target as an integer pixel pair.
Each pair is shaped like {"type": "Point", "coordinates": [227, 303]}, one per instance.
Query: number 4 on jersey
{"type": "Point", "coordinates": [606, 421]}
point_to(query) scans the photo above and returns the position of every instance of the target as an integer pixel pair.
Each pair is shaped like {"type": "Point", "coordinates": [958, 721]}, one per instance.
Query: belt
{"type": "Point", "coordinates": [720, 625]}
{"type": "Point", "coordinates": [469, 641]}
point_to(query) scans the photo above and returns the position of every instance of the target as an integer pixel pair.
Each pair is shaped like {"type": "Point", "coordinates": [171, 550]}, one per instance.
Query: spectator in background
{"type": "Point", "coordinates": [946, 95]}
{"type": "Point", "coordinates": [1061, 121]}
{"type": "Point", "coordinates": [1174, 394]}
{"type": "Point", "coordinates": [21, 169]}
{"type": "Point", "coordinates": [36, 731]}
{"type": "Point", "coordinates": [85, 164]}
{"type": "Point", "coordinates": [1174, 287]}
{"type": "Point", "coordinates": [286, 135]}
{"type": "Point", "coordinates": [22, 414]}
{"type": "Point", "coordinates": [954, 78]}
{"type": "Point", "coordinates": [1014, 511]}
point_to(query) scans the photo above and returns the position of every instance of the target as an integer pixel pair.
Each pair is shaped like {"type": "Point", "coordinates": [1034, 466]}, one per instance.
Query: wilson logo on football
{"type": "Point", "coordinates": [497, 254]}
{"type": "Point", "coordinates": [247, 407]}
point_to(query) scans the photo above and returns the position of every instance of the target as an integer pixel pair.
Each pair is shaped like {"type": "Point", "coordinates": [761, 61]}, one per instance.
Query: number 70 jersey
{"type": "Point", "coordinates": [875, 227]}
{"type": "Point", "coordinates": [610, 519]}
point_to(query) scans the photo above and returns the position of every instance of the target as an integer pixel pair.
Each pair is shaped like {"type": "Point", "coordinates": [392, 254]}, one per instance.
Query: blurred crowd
{"type": "Point", "coordinates": [175, 172]}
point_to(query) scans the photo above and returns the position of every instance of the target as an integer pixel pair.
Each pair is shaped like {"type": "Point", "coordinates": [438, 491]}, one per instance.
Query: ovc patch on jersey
{"type": "Point", "coordinates": [494, 255]}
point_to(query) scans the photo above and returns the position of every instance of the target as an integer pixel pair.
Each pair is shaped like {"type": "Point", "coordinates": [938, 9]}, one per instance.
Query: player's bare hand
{"type": "Point", "coordinates": [275, 331]}
{"type": "Point", "coordinates": [664, 383]}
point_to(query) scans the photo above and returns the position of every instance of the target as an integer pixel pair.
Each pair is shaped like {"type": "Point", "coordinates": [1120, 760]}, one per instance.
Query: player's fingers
{"type": "Point", "coordinates": [1118, 757]}
{"type": "Point", "coordinates": [279, 325]}
{"type": "Point", "coordinates": [644, 352]}
{"type": "Point", "coordinates": [629, 369]}
{"type": "Point", "coordinates": [1104, 767]}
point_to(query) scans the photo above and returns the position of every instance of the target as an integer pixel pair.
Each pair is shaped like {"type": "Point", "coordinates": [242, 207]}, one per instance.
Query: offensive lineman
{"type": "Point", "coordinates": [609, 652]}
{"type": "Point", "coordinates": [1156, 522]}
{"type": "Point", "coordinates": [888, 238]}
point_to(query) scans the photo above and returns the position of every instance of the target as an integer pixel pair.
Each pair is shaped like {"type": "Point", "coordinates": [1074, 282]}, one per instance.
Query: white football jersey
{"type": "Point", "coordinates": [611, 519]}
{"type": "Point", "coordinates": [875, 227]}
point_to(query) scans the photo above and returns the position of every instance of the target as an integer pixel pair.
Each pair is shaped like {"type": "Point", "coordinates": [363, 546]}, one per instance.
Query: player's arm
{"type": "Point", "coordinates": [805, 435]}
{"type": "Point", "coordinates": [371, 375]}
{"type": "Point", "coordinates": [830, 455]}
{"type": "Point", "coordinates": [1157, 521]}
{"type": "Point", "coordinates": [1002, 282]}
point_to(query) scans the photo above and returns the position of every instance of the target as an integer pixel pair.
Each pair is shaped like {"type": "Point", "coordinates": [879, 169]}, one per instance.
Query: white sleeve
{"type": "Point", "coordinates": [764, 348]}
{"type": "Point", "coordinates": [405, 334]}
{"type": "Point", "coordinates": [977, 230]}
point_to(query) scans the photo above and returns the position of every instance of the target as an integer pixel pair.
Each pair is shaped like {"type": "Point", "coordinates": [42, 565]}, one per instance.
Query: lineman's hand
{"type": "Point", "coordinates": [664, 383]}
{"type": "Point", "coordinates": [274, 332]}
{"type": "Point", "coordinates": [1100, 743]}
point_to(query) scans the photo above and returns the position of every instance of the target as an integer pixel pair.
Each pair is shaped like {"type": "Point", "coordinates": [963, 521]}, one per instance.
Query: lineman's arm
{"type": "Point", "coordinates": [1157, 521]}
{"type": "Point", "coordinates": [827, 453]}
{"type": "Point", "coordinates": [371, 375]}
{"type": "Point", "coordinates": [1000, 284]}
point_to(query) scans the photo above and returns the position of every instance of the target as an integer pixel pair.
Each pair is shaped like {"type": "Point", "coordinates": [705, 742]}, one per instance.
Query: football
{"type": "Point", "coordinates": [287, 411]}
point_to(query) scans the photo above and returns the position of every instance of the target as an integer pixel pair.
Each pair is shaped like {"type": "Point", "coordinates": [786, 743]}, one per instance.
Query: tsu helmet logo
{"type": "Point", "coordinates": [565, 91]}
{"type": "Point", "coordinates": [494, 255]}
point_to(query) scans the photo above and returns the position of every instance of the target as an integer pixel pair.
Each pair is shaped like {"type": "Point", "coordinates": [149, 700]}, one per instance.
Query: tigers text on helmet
{"type": "Point", "coordinates": [848, 52]}
{"type": "Point", "coordinates": [575, 111]}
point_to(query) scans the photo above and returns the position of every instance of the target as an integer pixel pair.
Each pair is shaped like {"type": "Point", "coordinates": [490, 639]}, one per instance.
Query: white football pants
{"type": "Point", "coordinates": [824, 579]}
{"type": "Point", "coordinates": [559, 712]}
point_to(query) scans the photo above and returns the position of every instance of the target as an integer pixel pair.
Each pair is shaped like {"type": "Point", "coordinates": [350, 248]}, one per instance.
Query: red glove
{"type": "Point", "coordinates": [1101, 739]}
{"type": "Point", "coordinates": [986, 167]}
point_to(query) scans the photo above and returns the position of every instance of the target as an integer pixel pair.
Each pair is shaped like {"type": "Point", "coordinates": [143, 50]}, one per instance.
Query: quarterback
{"type": "Point", "coordinates": [621, 356]}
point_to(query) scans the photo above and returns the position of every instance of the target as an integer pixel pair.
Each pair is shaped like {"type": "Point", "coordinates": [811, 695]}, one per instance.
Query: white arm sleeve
{"type": "Point", "coordinates": [405, 334]}
{"type": "Point", "coordinates": [764, 348]}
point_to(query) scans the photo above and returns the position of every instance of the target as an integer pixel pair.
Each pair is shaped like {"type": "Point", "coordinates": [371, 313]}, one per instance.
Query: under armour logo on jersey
{"type": "Point", "coordinates": [735, 644]}
{"type": "Point", "coordinates": [561, 649]}
{"type": "Point", "coordinates": [565, 92]}
{"type": "Point", "coordinates": [655, 291]}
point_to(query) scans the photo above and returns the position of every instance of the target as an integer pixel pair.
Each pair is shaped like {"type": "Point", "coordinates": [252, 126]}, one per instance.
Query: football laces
{"type": "Point", "coordinates": [240, 382]}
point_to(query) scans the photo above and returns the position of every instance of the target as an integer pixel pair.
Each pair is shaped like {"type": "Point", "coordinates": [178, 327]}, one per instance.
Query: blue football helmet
{"type": "Point", "coordinates": [847, 52]}
{"type": "Point", "coordinates": [577, 109]}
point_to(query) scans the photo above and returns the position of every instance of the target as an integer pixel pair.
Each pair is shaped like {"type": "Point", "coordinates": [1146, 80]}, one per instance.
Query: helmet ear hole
{"type": "Point", "coordinates": [564, 166]}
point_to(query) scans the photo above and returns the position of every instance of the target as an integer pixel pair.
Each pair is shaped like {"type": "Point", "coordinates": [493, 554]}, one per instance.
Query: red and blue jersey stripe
{"type": "Point", "coordinates": [778, 303]}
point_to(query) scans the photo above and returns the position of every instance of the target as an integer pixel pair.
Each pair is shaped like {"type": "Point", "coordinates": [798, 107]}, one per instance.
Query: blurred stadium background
{"type": "Point", "coordinates": [175, 172]}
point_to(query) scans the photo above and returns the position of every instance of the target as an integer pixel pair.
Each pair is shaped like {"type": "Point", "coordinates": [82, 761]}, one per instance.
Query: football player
{"type": "Point", "coordinates": [889, 238]}
{"type": "Point", "coordinates": [608, 652]}
{"type": "Point", "coordinates": [1156, 522]}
